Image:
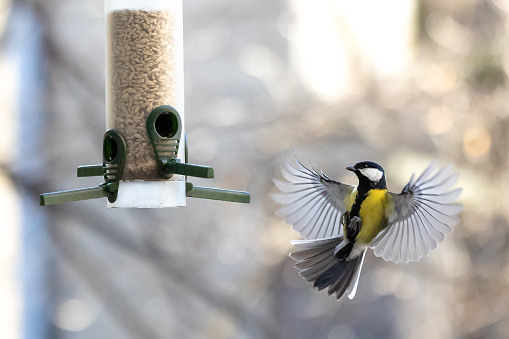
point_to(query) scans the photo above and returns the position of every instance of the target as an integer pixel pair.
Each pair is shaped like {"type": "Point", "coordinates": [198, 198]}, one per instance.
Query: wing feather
{"type": "Point", "coordinates": [312, 202]}
{"type": "Point", "coordinates": [420, 216]}
{"type": "Point", "coordinates": [405, 237]}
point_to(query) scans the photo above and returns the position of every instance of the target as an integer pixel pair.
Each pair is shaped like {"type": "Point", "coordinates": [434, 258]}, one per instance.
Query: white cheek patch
{"type": "Point", "coordinates": [372, 174]}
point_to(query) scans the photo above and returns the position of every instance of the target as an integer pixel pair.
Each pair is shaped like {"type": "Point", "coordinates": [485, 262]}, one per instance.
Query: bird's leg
{"type": "Point", "coordinates": [354, 227]}
{"type": "Point", "coordinates": [344, 249]}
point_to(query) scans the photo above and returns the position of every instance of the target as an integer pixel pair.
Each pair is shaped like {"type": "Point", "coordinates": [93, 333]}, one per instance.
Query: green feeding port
{"type": "Point", "coordinates": [110, 148]}
{"type": "Point", "coordinates": [164, 123]}
{"type": "Point", "coordinates": [114, 152]}
{"type": "Point", "coordinates": [167, 124]}
{"type": "Point", "coordinates": [164, 128]}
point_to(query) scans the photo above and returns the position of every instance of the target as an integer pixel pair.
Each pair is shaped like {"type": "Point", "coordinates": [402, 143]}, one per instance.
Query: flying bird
{"type": "Point", "coordinates": [340, 222]}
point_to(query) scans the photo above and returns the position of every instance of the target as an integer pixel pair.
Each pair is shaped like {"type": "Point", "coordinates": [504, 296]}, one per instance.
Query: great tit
{"type": "Point", "coordinates": [339, 222]}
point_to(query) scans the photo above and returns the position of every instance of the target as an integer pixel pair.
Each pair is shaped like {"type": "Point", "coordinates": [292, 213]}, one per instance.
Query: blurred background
{"type": "Point", "coordinates": [399, 82]}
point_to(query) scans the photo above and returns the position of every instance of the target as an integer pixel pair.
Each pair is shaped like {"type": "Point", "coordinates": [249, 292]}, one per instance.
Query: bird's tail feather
{"type": "Point", "coordinates": [317, 264]}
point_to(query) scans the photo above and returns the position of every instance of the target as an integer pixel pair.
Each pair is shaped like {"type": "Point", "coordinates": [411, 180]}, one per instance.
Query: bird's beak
{"type": "Point", "coordinates": [350, 168]}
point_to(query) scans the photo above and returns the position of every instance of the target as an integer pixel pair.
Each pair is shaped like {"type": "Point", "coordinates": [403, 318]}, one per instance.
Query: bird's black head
{"type": "Point", "coordinates": [370, 174]}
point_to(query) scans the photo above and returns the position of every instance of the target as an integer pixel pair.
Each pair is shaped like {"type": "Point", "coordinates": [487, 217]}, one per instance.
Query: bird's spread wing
{"type": "Point", "coordinates": [314, 202]}
{"type": "Point", "coordinates": [420, 216]}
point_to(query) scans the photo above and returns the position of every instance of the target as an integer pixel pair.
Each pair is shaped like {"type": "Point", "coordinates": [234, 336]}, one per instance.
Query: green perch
{"type": "Point", "coordinates": [217, 194]}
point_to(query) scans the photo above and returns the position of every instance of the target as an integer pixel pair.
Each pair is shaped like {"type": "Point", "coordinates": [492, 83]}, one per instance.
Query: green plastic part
{"type": "Point", "coordinates": [164, 128]}
{"type": "Point", "coordinates": [103, 190]}
{"type": "Point", "coordinates": [114, 153]}
{"type": "Point", "coordinates": [218, 194]}
{"type": "Point", "coordinates": [176, 167]}
{"type": "Point", "coordinates": [90, 171]}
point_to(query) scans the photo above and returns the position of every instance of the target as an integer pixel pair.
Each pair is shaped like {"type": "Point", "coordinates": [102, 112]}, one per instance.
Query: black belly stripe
{"type": "Point", "coordinates": [362, 194]}
{"type": "Point", "coordinates": [359, 199]}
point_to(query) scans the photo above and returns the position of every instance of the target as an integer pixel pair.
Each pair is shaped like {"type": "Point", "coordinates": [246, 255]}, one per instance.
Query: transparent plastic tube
{"type": "Point", "coordinates": [144, 70]}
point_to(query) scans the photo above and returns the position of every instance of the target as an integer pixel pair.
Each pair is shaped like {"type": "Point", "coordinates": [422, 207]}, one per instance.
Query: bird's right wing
{"type": "Point", "coordinates": [420, 216]}
{"type": "Point", "coordinates": [314, 202]}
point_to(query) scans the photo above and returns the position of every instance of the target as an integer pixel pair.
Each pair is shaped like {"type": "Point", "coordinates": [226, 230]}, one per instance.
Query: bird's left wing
{"type": "Point", "coordinates": [314, 202]}
{"type": "Point", "coordinates": [420, 216]}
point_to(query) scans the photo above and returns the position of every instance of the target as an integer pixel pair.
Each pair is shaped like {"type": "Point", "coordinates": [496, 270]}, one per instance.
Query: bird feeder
{"type": "Point", "coordinates": [145, 161]}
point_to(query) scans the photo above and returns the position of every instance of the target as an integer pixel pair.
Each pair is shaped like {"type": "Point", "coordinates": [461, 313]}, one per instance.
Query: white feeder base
{"type": "Point", "coordinates": [150, 194]}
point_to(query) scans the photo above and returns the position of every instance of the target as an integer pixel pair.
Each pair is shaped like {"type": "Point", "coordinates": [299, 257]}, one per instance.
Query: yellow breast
{"type": "Point", "coordinates": [372, 214]}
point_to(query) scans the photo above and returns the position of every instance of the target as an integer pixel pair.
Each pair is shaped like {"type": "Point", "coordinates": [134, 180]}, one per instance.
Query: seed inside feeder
{"type": "Point", "coordinates": [142, 75]}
